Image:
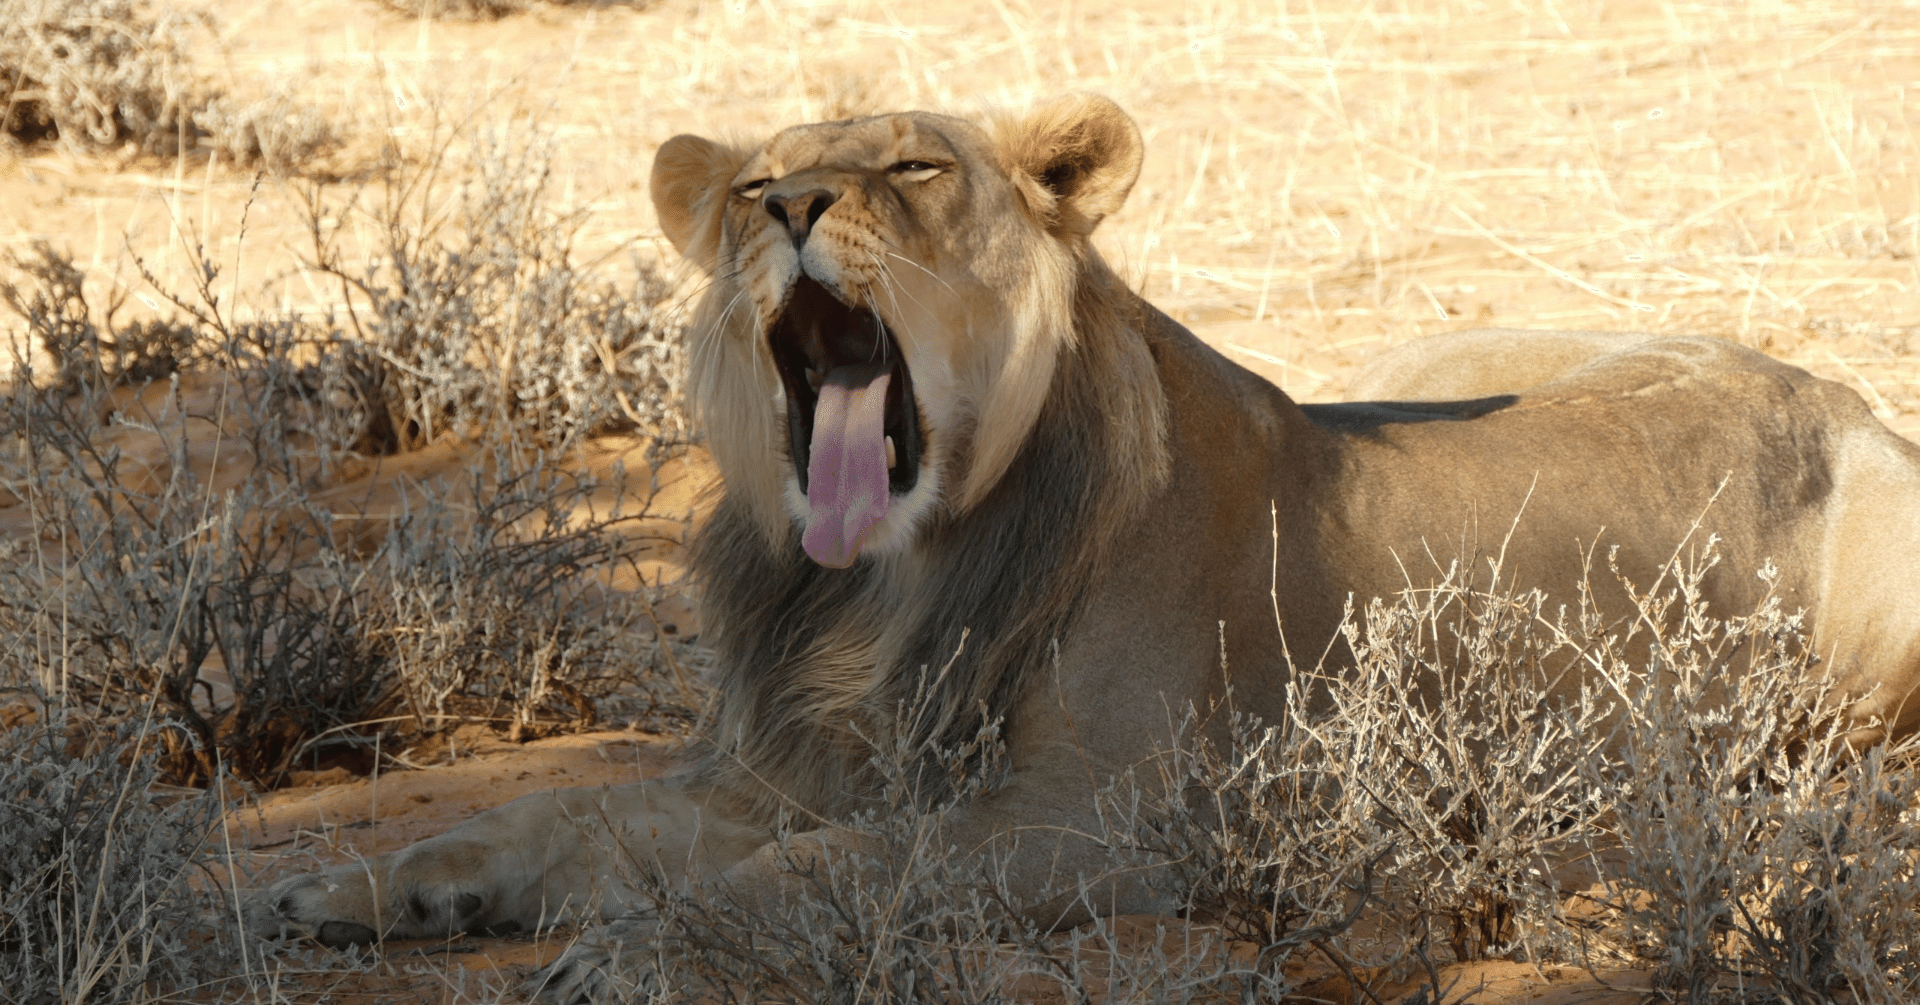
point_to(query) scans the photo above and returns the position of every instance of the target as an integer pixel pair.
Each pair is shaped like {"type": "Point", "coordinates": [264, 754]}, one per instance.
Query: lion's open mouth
{"type": "Point", "coordinates": [852, 426]}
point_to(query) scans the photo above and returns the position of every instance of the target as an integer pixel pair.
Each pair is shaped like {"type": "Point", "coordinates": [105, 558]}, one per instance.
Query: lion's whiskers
{"type": "Point", "coordinates": [932, 274]}
{"type": "Point", "coordinates": [892, 283]}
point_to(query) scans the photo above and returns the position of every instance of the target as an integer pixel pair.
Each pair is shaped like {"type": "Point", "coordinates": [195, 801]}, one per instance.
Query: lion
{"type": "Point", "coordinates": [962, 458]}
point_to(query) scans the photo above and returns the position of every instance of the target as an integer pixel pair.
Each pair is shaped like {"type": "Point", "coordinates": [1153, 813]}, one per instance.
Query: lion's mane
{"type": "Point", "coordinates": [819, 664]}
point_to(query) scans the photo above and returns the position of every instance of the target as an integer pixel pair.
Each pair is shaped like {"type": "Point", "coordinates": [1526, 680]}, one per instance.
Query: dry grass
{"type": "Point", "coordinates": [1323, 179]}
{"type": "Point", "coordinates": [203, 580]}
{"type": "Point", "coordinates": [96, 895]}
{"type": "Point", "coordinates": [117, 76]}
{"type": "Point", "coordinates": [93, 74]}
{"type": "Point", "coordinates": [186, 534]}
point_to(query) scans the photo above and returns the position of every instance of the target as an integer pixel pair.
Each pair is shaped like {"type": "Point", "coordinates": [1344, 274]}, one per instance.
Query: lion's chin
{"type": "Point", "coordinates": [854, 433]}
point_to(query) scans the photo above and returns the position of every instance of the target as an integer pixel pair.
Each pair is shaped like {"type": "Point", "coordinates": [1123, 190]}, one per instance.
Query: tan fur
{"type": "Point", "coordinates": [1093, 518]}
{"type": "Point", "coordinates": [1865, 598]}
{"type": "Point", "coordinates": [1455, 366]}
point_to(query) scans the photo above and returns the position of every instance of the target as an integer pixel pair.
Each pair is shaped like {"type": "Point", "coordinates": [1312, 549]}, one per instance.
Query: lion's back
{"type": "Point", "coordinates": [1535, 365]}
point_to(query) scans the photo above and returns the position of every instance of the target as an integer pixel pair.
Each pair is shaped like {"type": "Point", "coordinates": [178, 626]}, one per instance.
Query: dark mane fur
{"type": "Point", "coordinates": [1009, 575]}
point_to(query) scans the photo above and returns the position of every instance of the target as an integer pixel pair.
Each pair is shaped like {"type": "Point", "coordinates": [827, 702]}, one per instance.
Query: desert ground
{"type": "Point", "coordinates": [1324, 179]}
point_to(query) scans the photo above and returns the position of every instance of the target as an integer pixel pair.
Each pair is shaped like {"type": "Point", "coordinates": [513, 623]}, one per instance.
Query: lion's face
{"type": "Point", "coordinates": [852, 251]}
{"type": "Point", "coordinates": [889, 297]}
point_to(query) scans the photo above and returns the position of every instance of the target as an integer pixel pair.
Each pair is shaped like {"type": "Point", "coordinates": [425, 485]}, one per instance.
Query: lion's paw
{"type": "Point", "coordinates": [334, 906]}
{"type": "Point", "coordinates": [613, 962]}
{"type": "Point", "coordinates": [339, 908]}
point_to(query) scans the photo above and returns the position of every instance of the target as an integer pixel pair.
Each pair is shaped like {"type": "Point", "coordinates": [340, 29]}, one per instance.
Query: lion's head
{"type": "Point", "coordinates": [890, 297]}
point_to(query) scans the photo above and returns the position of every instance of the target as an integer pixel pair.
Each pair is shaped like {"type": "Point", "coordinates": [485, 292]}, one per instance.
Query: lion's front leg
{"type": "Point", "coordinates": [567, 853]}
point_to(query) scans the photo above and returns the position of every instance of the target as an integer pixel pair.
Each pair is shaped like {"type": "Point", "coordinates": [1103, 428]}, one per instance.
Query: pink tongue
{"type": "Point", "coordinates": [847, 468]}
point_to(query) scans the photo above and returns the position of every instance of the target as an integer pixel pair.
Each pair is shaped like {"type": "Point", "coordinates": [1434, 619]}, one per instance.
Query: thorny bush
{"type": "Point", "coordinates": [95, 900]}
{"type": "Point", "coordinates": [106, 74]}
{"type": "Point", "coordinates": [186, 539]}
{"type": "Point", "coordinates": [1760, 850]}
{"type": "Point", "coordinates": [1263, 836]}
{"type": "Point", "coordinates": [1467, 725]}
{"type": "Point", "coordinates": [495, 330]}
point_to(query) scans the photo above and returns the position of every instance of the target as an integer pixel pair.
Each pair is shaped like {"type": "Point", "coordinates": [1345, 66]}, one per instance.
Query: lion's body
{"type": "Point", "coordinates": [1618, 450]}
{"type": "Point", "coordinates": [1096, 503]}
{"type": "Point", "coordinates": [1813, 482]}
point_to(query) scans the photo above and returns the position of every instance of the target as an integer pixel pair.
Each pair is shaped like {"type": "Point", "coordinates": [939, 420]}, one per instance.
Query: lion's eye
{"type": "Point", "coordinates": [915, 170]}
{"type": "Point", "coordinates": [752, 189]}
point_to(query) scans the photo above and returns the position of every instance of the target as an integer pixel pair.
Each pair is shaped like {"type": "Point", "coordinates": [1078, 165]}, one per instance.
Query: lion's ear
{"type": "Point", "coordinates": [690, 176]}
{"type": "Point", "coordinates": [1079, 154]}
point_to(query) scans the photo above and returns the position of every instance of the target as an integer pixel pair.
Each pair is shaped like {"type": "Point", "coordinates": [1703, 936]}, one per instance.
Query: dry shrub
{"type": "Point", "coordinates": [492, 329]}
{"type": "Point", "coordinates": [277, 133]}
{"type": "Point", "coordinates": [906, 917]}
{"type": "Point", "coordinates": [1265, 837]}
{"type": "Point", "coordinates": [1843, 897]}
{"type": "Point", "coordinates": [1757, 847]}
{"type": "Point", "coordinates": [459, 10]}
{"type": "Point", "coordinates": [497, 611]}
{"type": "Point", "coordinates": [269, 625]}
{"type": "Point", "coordinates": [106, 74]}
{"type": "Point", "coordinates": [1483, 747]}
{"type": "Point", "coordinates": [905, 914]}
{"type": "Point", "coordinates": [135, 590]}
{"type": "Point", "coordinates": [94, 74]}
{"type": "Point", "coordinates": [1451, 722]}
{"type": "Point", "coordinates": [273, 623]}
{"type": "Point", "coordinates": [89, 351]}
{"type": "Point", "coordinates": [1435, 784]}
{"type": "Point", "coordinates": [95, 903]}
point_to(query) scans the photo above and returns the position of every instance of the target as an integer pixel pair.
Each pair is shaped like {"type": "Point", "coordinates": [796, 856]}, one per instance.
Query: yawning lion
{"type": "Point", "coordinates": [940, 416]}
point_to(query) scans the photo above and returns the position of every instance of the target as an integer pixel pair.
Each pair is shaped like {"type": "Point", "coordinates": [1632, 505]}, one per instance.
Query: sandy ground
{"type": "Point", "coordinates": [1323, 180]}
{"type": "Point", "coordinates": [329, 817]}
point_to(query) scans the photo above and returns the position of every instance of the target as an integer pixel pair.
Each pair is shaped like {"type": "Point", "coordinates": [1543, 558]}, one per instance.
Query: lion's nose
{"type": "Point", "coordinates": [800, 212]}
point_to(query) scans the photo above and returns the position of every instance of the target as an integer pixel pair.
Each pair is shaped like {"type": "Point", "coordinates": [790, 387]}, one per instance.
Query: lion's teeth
{"type": "Point", "coordinates": [891, 458]}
